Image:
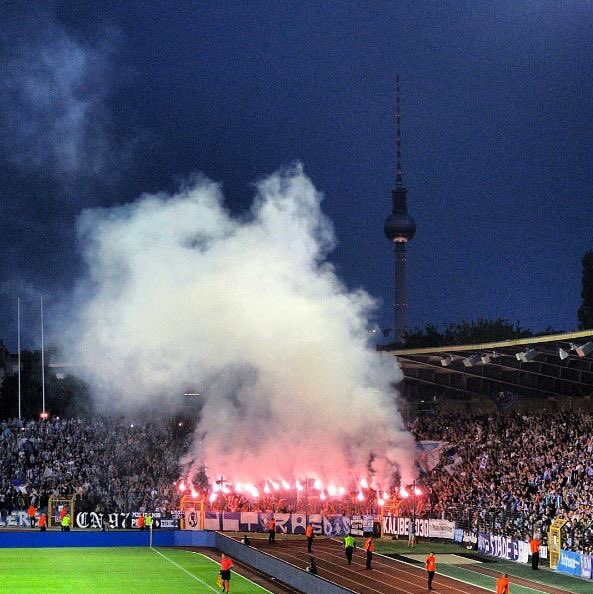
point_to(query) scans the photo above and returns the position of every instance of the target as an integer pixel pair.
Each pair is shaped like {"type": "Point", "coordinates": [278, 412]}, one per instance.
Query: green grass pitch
{"type": "Point", "coordinates": [112, 570]}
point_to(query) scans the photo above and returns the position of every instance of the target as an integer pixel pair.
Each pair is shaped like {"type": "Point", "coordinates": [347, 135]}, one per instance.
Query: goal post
{"type": "Point", "coordinates": [55, 505]}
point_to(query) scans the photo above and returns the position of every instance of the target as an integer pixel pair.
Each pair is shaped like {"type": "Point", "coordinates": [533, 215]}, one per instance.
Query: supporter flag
{"type": "Point", "coordinates": [428, 453]}
{"type": "Point", "coordinates": [505, 401]}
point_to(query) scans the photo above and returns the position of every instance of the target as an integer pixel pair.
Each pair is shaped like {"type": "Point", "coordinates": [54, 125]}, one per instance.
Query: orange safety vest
{"type": "Point", "coordinates": [272, 524]}
{"type": "Point", "coordinates": [309, 531]}
{"type": "Point", "coordinates": [502, 585]}
{"type": "Point", "coordinates": [41, 520]}
{"type": "Point", "coordinates": [431, 563]}
{"type": "Point", "coordinates": [368, 545]}
{"type": "Point", "coordinates": [140, 521]}
{"type": "Point", "coordinates": [62, 513]}
{"type": "Point", "coordinates": [534, 545]}
{"type": "Point", "coordinates": [31, 511]}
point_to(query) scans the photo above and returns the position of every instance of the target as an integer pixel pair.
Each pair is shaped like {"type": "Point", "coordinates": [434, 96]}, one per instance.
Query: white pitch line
{"type": "Point", "coordinates": [195, 577]}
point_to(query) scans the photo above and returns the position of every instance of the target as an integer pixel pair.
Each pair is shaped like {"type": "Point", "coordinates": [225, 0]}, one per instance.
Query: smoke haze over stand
{"type": "Point", "coordinates": [248, 312]}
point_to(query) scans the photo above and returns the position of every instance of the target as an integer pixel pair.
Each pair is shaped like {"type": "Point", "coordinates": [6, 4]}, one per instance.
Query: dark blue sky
{"type": "Point", "coordinates": [103, 101]}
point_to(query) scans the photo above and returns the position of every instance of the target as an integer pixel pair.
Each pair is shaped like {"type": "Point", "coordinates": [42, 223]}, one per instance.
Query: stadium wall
{"type": "Point", "coordinates": [284, 572]}
{"type": "Point", "coordinates": [120, 538]}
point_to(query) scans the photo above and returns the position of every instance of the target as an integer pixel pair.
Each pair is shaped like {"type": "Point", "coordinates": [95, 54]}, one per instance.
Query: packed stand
{"type": "Point", "coordinates": [512, 474]}
{"type": "Point", "coordinates": [111, 464]}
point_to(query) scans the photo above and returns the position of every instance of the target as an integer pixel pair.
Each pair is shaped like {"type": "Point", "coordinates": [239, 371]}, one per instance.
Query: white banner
{"type": "Point", "coordinates": [441, 529]}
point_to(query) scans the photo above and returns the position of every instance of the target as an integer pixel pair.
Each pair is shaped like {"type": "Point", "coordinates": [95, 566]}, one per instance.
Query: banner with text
{"type": "Point", "coordinates": [569, 562]}
{"type": "Point", "coordinates": [395, 526]}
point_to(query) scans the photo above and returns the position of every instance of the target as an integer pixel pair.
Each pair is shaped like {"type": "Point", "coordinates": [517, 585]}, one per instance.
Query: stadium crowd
{"type": "Point", "coordinates": [111, 464]}
{"type": "Point", "coordinates": [514, 473]}
{"type": "Point", "coordinates": [509, 473]}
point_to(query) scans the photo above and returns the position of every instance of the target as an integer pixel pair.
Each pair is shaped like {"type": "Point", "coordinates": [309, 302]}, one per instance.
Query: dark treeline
{"type": "Point", "coordinates": [466, 332]}
{"type": "Point", "coordinates": [68, 396]}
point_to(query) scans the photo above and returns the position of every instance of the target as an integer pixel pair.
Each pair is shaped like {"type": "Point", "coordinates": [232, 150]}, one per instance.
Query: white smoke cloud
{"type": "Point", "coordinates": [53, 94]}
{"type": "Point", "coordinates": [248, 312]}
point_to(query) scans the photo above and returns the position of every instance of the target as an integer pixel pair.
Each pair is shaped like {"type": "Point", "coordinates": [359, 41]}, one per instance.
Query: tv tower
{"type": "Point", "coordinates": [399, 228]}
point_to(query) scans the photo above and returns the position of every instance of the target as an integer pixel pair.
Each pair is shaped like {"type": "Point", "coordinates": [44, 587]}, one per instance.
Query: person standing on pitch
{"type": "Point", "coordinates": [225, 572]}
{"type": "Point", "coordinates": [502, 584]}
{"type": "Point", "coordinates": [272, 530]}
{"type": "Point", "coordinates": [32, 511]}
{"type": "Point", "coordinates": [412, 535]}
{"type": "Point", "coordinates": [534, 546]}
{"type": "Point", "coordinates": [309, 535]}
{"type": "Point", "coordinates": [431, 567]}
{"type": "Point", "coordinates": [66, 522]}
{"type": "Point", "coordinates": [369, 547]}
{"type": "Point", "coordinates": [349, 546]}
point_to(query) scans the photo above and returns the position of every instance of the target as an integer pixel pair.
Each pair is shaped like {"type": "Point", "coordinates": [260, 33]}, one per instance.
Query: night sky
{"type": "Point", "coordinates": [100, 102]}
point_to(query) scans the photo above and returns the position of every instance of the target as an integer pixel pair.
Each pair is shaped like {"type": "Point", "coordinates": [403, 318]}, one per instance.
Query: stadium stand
{"type": "Point", "coordinates": [110, 463]}
{"type": "Point", "coordinates": [514, 473]}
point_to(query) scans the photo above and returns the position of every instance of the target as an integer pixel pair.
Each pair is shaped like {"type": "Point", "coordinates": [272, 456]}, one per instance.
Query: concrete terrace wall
{"type": "Point", "coordinates": [119, 538]}
{"type": "Point", "coordinates": [282, 571]}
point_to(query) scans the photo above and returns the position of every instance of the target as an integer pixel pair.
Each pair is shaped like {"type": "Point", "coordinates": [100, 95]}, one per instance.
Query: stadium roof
{"type": "Point", "coordinates": [531, 367]}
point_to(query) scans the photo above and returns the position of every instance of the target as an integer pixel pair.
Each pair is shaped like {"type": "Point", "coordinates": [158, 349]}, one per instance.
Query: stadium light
{"type": "Point", "coordinates": [584, 350]}
{"type": "Point", "coordinates": [472, 360]}
{"type": "Point", "coordinates": [527, 356]}
{"type": "Point", "coordinates": [448, 359]}
{"type": "Point", "coordinates": [487, 357]}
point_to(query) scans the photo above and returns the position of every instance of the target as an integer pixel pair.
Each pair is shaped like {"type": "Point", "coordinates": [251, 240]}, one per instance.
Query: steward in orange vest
{"type": "Point", "coordinates": [431, 567]}
{"type": "Point", "coordinates": [31, 511]}
{"type": "Point", "coordinates": [534, 546]}
{"type": "Point", "coordinates": [272, 530]}
{"type": "Point", "coordinates": [502, 584]}
{"type": "Point", "coordinates": [309, 535]}
{"type": "Point", "coordinates": [369, 547]}
{"type": "Point", "coordinates": [42, 523]}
